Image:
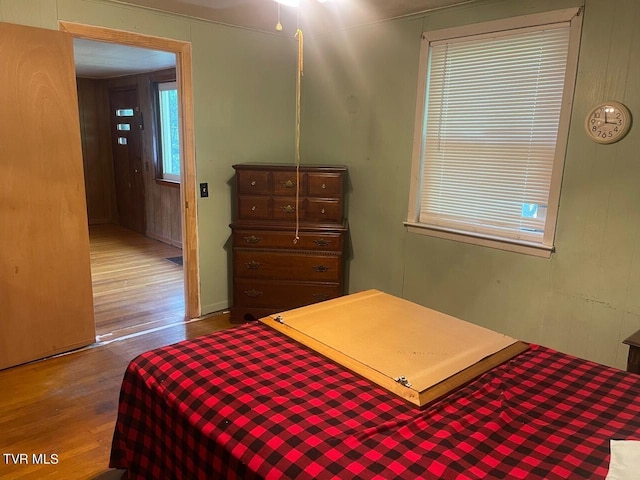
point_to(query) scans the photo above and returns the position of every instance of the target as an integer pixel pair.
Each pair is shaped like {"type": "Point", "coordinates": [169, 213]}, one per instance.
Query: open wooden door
{"type": "Point", "coordinates": [46, 304]}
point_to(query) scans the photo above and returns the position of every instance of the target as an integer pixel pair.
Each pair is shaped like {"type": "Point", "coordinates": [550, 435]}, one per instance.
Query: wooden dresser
{"type": "Point", "coordinates": [271, 271]}
{"type": "Point", "coordinates": [633, 359]}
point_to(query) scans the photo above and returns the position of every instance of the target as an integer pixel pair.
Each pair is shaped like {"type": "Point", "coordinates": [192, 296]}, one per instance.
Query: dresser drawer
{"type": "Point", "coordinates": [306, 240]}
{"type": "Point", "coordinates": [323, 210]}
{"type": "Point", "coordinates": [287, 265]}
{"type": "Point", "coordinates": [284, 208]}
{"type": "Point", "coordinates": [324, 184]}
{"type": "Point", "coordinates": [254, 207]}
{"type": "Point", "coordinates": [253, 182]}
{"type": "Point", "coordinates": [284, 183]}
{"type": "Point", "coordinates": [281, 295]}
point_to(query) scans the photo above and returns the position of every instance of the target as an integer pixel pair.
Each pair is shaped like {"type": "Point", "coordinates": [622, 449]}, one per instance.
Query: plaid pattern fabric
{"type": "Point", "coordinates": [251, 403]}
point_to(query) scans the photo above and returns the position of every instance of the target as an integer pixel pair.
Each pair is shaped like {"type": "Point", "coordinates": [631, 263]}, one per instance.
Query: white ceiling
{"type": "Point", "coordinates": [107, 60]}
{"type": "Point", "coordinates": [104, 60]}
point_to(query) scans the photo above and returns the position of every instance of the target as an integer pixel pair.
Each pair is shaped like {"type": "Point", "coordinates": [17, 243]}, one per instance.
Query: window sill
{"type": "Point", "coordinates": [485, 241]}
{"type": "Point", "coordinates": [167, 183]}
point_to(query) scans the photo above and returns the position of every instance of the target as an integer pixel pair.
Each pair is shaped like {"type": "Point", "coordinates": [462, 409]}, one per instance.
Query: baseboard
{"type": "Point", "coordinates": [215, 307]}
{"type": "Point", "coordinates": [99, 221]}
{"type": "Point", "coordinates": [164, 239]}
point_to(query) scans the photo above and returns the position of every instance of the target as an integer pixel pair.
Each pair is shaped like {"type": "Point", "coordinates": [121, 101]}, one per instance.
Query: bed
{"type": "Point", "coordinates": [251, 403]}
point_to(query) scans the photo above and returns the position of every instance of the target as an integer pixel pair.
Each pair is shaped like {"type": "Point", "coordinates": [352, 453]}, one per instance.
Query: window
{"type": "Point", "coordinates": [491, 131]}
{"type": "Point", "coordinates": [168, 131]}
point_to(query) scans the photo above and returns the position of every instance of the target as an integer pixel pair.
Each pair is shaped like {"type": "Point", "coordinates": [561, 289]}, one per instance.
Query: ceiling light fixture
{"type": "Point", "coordinates": [289, 3]}
{"type": "Point", "coordinates": [295, 3]}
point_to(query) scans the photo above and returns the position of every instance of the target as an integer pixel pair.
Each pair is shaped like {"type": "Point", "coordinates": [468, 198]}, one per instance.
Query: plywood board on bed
{"type": "Point", "coordinates": [387, 339]}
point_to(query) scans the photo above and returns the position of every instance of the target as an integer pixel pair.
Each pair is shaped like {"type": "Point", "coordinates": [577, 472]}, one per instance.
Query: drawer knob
{"type": "Point", "coordinates": [288, 209]}
{"type": "Point", "coordinates": [253, 183]}
{"type": "Point", "coordinates": [252, 239]}
{"type": "Point", "coordinates": [253, 265]}
{"type": "Point", "coordinates": [322, 242]}
{"type": "Point", "coordinates": [322, 211]}
{"type": "Point", "coordinates": [288, 184]}
{"type": "Point", "coordinates": [324, 185]}
{"type": "Point", "coordinates": [252, 293]}
{"type": "Point", "coordinates": [321, 268]}
{"type": "Point", "coordinates": [253, 209]}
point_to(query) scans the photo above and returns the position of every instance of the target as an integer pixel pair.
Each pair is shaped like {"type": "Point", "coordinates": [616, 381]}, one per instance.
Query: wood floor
{"type": "Point", "coordinates": [135, 287]}
{"type": "Point", "coordinates": [65, 407]}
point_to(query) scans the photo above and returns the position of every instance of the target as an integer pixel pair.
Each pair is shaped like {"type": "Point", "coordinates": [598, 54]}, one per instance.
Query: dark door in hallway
{"type": "Point", "coordinates": [126, 123]}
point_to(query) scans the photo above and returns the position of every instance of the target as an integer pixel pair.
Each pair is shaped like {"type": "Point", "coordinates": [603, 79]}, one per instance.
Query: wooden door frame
{"type": "Point", "coordinates": [184, 76]}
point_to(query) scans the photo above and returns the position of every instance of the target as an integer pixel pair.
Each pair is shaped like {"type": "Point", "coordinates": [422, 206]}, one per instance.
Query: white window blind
{"type": "Point", "coordinates": [491, 122]}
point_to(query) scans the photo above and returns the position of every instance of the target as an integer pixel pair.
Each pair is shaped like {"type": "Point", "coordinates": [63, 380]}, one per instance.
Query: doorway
{"type": "Point", "coordinates": [182, 51]}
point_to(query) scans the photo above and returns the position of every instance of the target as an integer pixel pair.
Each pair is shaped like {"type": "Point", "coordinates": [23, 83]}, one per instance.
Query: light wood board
{"type": "Point", "coordinates": [383, 338]}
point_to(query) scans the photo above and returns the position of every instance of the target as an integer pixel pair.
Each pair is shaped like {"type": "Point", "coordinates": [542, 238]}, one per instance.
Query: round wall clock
{"type": "Point", "coordinates": [608, 122]}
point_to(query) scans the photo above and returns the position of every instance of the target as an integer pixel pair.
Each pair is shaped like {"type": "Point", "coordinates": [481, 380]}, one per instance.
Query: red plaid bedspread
{"type": "Point", "coordinates": [251, 403]}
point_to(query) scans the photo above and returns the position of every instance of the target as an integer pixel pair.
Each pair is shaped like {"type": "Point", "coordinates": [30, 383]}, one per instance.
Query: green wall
{"type": "Point", "coordinates": [359, 105]}
{"type": "Point", "coordinates": [244, 106]}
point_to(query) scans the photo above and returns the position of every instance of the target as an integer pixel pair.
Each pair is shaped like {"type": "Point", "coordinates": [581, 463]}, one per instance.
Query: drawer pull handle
{"type": "Point", "coordinates": [321, 268]}
{"type": "Point", "coordinates": [288, 184]}
{"type": "Point", "coordinates": [320, 297]}
{"type": "Point", "coordinates": [288, 209]}
{"type": "Point", "coordinates": [252, 239]}
{"type": "Point", "coordinates": [253, 183]}
{"type": "Point", "coordinates": [252, 293]}
{"type": "Point", "coordinates": [322, 242]}
{"type": "Point", "coordinates": [253, 265]}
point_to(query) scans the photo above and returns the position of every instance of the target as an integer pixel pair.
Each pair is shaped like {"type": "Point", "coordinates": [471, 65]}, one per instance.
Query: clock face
{"type": "Point", "coordinates": [608, 122]}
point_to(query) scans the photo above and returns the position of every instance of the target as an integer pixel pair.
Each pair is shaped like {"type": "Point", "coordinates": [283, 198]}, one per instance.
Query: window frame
{"type": "Point", "coordinates": [160, 175]}
{"type": "Point", "coordinates": [573, 18]}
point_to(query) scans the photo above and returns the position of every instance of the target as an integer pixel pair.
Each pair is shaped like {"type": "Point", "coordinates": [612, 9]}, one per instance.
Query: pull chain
{"type": "Point", "coordinates": [299, 37]}
{"type": "Point", "coordinates": [299, 72]}
{"type": "Point", "coordinates": [279, 25]}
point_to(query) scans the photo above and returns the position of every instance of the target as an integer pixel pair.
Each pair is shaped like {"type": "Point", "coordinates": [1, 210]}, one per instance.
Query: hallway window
{"type": "Point", "coordinates": [168, 137]}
